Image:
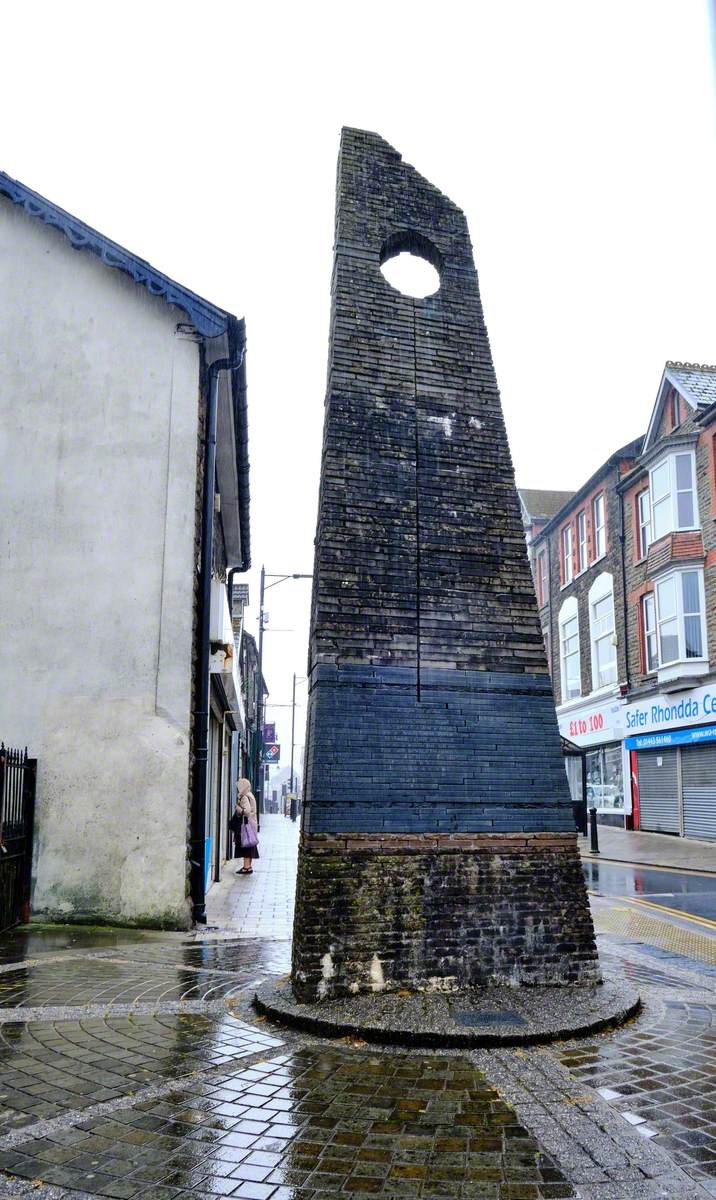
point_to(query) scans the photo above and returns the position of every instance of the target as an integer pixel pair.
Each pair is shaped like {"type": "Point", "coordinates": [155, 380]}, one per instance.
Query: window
{"type": "Point", "coordinates": [569, 650]}
{"type": "Point", "coordinates": [600, 533]}
{"type": "Point", "coordinates": [674, 415]}
{"type": "Point", "coordinates": [582, 540]}
{"type": "Point", "coordinates": [644, 512]}
{"type": "Point", "coordinates": [679, 611]}
{"type": "Point", "coordinates": [567, 554]}
{"type": "Point", "coordinates": [673, 502]}
{"type": "Point", "coordinates": [605, 781]}
{"type": "Point", "coordinates": [601, 629]}
{"type": "Point", "coordinates": [542, 578]}
{"type": "Point", "coordinates": [648, 622]}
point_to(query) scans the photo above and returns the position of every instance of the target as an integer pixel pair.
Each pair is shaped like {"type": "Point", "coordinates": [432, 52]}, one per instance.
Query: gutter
{"type": "Point", "coordinates": [197, 843]}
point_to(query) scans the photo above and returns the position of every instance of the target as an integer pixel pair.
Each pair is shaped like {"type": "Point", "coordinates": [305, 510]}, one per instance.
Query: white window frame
{"type": "Point", "coordinates": [582, 548]}
{"type": "Point", "coordinates": [650, 630]}
{"type": "Point", "coordinates": [680, 615]}
{"type": "Point", "coordinates": [542, 578]}
{"type": "Point", "coordinates": [569, 613]}
{"type": "Point", "coordinates": [566, 552]}
{"type": "Point", "coordinates": [602, 589]}
{"type": "Point", "coordinates": [671, 497]}
{"type": "Point", "coordinates": [644, 522]}
{"type": "Point", "coordinates": [600, 531]}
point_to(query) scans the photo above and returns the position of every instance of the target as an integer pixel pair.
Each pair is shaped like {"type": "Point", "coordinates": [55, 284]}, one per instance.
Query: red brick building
{"type": "Point", "coordinates": [625, 575]}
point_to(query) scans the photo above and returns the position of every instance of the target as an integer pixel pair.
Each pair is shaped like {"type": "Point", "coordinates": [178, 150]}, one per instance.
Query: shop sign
{"type": "Point", "coordinates": [662, 712]}
{"type": "Point", "coordinates": [271, 754]}
{"type": "Point", "coordinates": [671, 737]}
{"type": "Point", "coordinates": [593, 725]}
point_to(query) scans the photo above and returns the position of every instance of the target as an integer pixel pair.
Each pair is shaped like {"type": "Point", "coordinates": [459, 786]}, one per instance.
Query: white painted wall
{"type": "Point", "coordinates": [98, 441]}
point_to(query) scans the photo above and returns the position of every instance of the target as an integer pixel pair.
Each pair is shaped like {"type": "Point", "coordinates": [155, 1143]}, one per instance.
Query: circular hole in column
{"type": "Point", "coordinates": [411, 264]}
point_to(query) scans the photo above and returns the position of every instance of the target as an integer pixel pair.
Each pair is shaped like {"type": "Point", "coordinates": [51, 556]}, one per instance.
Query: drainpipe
{"type": "Point", "coordinates": [625, 620]}
{"type": "Point", "coordinates": [197, 844]}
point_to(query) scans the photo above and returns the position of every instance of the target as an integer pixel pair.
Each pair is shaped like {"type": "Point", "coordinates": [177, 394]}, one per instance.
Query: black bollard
{"type": "Point", "coordinates": [594, 848]}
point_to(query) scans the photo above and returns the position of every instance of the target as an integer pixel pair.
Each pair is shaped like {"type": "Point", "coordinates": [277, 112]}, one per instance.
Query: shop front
{"type": "Point", "coordinates": [671, 741]}
{"type": "Point", "coordinates": [597, 729]}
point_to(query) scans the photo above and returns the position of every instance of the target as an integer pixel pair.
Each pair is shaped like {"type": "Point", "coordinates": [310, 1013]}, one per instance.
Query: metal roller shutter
{"type": "Point", "coordinates": [698, 768]}
{"type": "Point", "coordinates": [658, 790]}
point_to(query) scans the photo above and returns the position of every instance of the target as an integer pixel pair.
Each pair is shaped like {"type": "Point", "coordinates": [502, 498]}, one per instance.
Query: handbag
{"type": "Point", "coordinates": [249, 836]}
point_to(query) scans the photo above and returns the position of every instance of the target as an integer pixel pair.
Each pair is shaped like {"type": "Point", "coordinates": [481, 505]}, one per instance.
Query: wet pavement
{"type": "Point", "coordinates": [684, 891]}
{"type": "Point", "coordinates": [133, 1065]}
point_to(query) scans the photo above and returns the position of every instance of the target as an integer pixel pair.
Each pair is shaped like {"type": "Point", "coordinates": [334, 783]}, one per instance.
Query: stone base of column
{"type": "Point", "coordinates": [437, 912]}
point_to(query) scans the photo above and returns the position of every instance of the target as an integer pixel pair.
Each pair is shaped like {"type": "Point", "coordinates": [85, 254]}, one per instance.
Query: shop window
{"type": "Point", "coordinates": [569, 650]}
{"type": "Point", "coordinates": [567, 554]}
{"type": "Point", "coordinates": [600, 529]}
{"type": "Point", "coordinates": [680, 616]}
{"type": "Point", "coordinates": [648, 625]}
{"type": "Point", "coordinates": [644, 514]}
{"type": "Point", "coordinates": [605, 779]}
{"type": "Point", "coordinates": [601, 631]}
{"type": "Point", "coordinates": [582, 540]}
{"type": "Point", "coordinates": [673, 495]}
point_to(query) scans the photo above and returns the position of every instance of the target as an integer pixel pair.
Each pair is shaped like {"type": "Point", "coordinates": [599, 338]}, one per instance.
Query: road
{"type": "Point", "coordinates": [681, 893]}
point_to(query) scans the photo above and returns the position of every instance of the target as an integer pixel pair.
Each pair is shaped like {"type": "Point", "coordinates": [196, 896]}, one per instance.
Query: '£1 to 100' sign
{"type": "Point", "coordinates": [590, 725]}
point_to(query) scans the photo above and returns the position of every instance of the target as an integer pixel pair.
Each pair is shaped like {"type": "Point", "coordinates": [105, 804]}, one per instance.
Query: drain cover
{"type": "Point", "coordinates": [476, 1017]}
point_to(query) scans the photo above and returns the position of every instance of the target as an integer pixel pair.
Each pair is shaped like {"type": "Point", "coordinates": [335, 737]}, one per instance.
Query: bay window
{"type": "Point", "coordinates": [567, 554]}
{"type": "Point", "coordinates": [680, 617]}
{"type": "Point", "coordinates": [582, 540]}
{"type": "Point", "coordinates": [600, 532]}
{"type": "Point", "coordinates": [673, 495]}
{"type": "Point", "coordinates": [601, 632]}
{"type": "Point", "coordinates": [569, 650]}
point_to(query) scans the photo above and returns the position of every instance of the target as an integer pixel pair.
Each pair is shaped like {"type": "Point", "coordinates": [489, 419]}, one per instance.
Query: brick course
{"type": "Point", "coordinates": [437, 914]}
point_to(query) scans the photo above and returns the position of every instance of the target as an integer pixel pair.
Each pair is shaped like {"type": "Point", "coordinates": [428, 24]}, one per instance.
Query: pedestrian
{"type": "Point", "coordinates": [244, 824]}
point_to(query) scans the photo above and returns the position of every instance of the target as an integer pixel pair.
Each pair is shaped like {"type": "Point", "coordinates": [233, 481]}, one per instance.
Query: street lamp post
{"type": "Point", "coordinates": [292, 790]}
{"type": "Point", "coordinates": [258, 766]}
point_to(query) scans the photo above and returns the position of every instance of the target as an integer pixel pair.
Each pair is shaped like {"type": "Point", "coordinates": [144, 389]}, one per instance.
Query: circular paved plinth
{"type": "Point", "coordinates": [481, 1017]}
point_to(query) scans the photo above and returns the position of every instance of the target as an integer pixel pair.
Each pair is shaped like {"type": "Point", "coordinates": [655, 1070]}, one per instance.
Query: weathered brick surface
{"type": "Point", "coordinates": [507, 911]}
{"type": "Point", "coordinates": [426, 651]}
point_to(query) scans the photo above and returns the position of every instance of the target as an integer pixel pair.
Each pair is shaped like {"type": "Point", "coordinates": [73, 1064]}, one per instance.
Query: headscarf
{"type": "Point", "coordinates": [243, 786]}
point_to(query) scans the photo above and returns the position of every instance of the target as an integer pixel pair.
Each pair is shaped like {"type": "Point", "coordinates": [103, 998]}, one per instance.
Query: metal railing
{"type": "Point", "coordinates": [17, 811]}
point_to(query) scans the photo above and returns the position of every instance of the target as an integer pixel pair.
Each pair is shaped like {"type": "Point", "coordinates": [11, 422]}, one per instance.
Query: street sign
{"type": "Point", "coordinates": [271, 753]}
{"type": "Point", "coordinates": [270, 733]}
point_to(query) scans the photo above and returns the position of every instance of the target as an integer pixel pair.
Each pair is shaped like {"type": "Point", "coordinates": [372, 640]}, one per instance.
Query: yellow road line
{"type": "Point", "coordinates": [674, 912]}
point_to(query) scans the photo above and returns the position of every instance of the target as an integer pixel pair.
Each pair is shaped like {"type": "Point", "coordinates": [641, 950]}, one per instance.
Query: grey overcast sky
{"type": "Point", "coordinates": [579, 138]}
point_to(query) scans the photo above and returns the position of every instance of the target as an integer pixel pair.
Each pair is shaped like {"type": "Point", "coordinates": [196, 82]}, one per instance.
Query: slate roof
{"type": "Point", "coordinates": [697, 381]}
{"type": "Point", "coordinates": [204, 316]}
{"type": "Point", "coordinates": [543, 503]}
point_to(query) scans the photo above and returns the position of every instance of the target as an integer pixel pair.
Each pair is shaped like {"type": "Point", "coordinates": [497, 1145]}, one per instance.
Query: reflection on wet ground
{"type": "Point", "coordinates": [319, 1122]}
{"type": "Point", "coordinates": [50, 1067]}
{"type": "Point", "coordinates": [123, 1073]}
{"type": "Point", "coordinates": [34, 940]}
{"type": "Point", "coordinates": [683, 890]}
{"type": "Point", "coordinates": [662, 1078]}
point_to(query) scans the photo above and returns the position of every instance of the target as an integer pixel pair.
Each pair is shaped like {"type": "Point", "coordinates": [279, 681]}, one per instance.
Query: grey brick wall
{"type": "Point", "coordinates": [420, 556]}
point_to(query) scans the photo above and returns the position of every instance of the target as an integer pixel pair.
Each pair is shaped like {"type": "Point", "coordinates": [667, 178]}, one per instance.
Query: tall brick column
{"type": "Point", "coordinates": [438, 847]}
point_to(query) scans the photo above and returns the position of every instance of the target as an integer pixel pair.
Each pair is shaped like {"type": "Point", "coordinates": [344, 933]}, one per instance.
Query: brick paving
{"type": "Point", "coordinates": [132, 1065]}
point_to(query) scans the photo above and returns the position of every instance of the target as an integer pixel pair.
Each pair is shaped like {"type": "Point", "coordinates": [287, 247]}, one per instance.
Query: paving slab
{"type": "Point", "coordinates": [132, 1065]}
{"type": "Point", "coordinates": [651, 849]}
